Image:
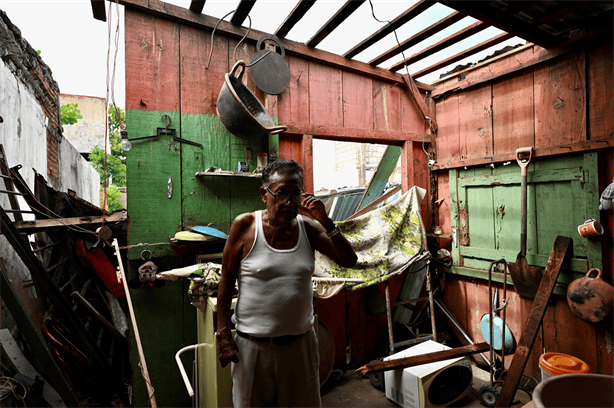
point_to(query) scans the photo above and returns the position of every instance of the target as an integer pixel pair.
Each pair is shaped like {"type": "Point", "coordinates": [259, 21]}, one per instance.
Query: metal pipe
{"type": "Point", "coordinates": [186, 380]}
{"type": "Point", "coordinates": [88, 306]}
{"type": "Point", "coordinates": [389, 318]}
{"type": "Point", "coordinates": [430, 292]}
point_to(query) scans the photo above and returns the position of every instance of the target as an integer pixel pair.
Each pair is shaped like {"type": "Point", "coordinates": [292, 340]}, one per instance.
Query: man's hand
{"type": "Point", "coordinates": [314, 207]}
{"type": "Point", "coordinates": [226, 349]}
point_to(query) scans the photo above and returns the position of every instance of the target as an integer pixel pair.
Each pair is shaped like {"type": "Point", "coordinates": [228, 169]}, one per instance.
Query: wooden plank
{"type": "Point", "coordinates": [440, 45]}
{"type": "Point", "coordinates": [98, 10]}
{"type": "Point", "coordinates": [152, 66]}
{"type": "Point", "coordinates": [455, 213]}
{"type": "Point", "coordinates": [505, 21]}
{"type": "Point", "coordinates": [361, 327]}
{"type": "Point", "coordinates": [224, 174]}
{"type": "Point", "coordinates": [332, 312]}
{"type": "Point", "coordinates": [241, 12]}
{"type": "Point", "coordinates": [375, 203]}
{"type": "Point", "coordinates": [184, 16]}
{"type": "Point", "coordinates": [290, 147]}
{"type": "Point", "coordinates": [393, 25]}
{"type": "Point", "coordinates": [387, 108]}
{"type": "Point", "coordinates": [294, 17]}
{"type": "Point", "coordinates": [339, 17]}
{"type": "Point", "coordinates": [560, 101]}
{"type": "Point", "coordinates": [377, 185]}
{"type": "Point", "coordinates": [529, 333]}
{"type": "Point", "coordinates": [600, 88]}
{"type": "Point", "coordinates": [196, 6]}
{"type": "Point", "coordinates": [488, 70]}
{"type": "Point", "coordinates": [448, 143]}
{"type": "Point", "coordinates": [30, 227]}
{"type": "Point", "coordinates": [401, 363]}
{"type": "Point", "coordinates": [356, 135]}
{"type": "Point", "coordinates": [293, 104]}
{"type": "Point", "coordinates": [464, 54]}
{"type": "Point", "coordinates": [325, 90]}
{"type": "Point", "coordinates": [513, 107]}
{"type": "Point", "coordinates": [475, 128]}
{"type": "Point", "coordinates": [419, 37]}
{"type": "Point", "coordinates": [442, 210]}
{"type": "Point", "coordinates": [419, 101]}
{"type": "Point", "coordinates": [307, 162]}
{"type": "Point", "coordinates": [589, 145]}
{"type": "Point", "coordinates": [414, 169]}
{"type": "Point", "coordinates": [357, 101]}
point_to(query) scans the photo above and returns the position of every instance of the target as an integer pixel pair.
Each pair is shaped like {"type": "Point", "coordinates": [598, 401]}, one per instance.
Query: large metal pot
{"type": "Point", "coordinates": [240, 111]}
{"type": "Point", "coordinates": [591, 299]}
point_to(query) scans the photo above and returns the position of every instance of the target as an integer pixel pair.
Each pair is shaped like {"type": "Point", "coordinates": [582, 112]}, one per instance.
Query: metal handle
{"type": "Point", "coordinates": [588, 274]}
{"type": "Point", "coordinates": [275, 40]}
{"type": "Point", "coordinates": [240, 63]}
{"type": "Point", "coordinates": [186, 380]}
{"type": "Point", "coordinates": [277, 129]}
{"type": "Point", "coordinates": [523, 198]}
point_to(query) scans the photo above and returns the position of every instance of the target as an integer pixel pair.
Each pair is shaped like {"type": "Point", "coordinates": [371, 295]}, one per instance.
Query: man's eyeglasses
{"type": "Point", "coordinates": [282, 198]}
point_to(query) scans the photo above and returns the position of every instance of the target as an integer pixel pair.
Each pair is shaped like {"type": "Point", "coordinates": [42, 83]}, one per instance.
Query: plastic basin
{"type": "Point", "coordinates": [575, 390]}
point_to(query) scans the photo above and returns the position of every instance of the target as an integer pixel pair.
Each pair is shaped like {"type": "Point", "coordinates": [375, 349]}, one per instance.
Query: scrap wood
{"type": "Point", "coordinates": [412, 361]}
{"type": "Point", "coordinates": [534, 321]}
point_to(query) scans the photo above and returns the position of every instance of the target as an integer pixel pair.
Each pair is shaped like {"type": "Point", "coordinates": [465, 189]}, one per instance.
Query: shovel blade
{"type": "Point", "coordinates": [526, 278]}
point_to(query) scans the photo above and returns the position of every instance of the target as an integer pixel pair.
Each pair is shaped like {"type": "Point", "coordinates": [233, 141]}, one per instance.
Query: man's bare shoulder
{"type": "Point", "coordinates": [244, 220]}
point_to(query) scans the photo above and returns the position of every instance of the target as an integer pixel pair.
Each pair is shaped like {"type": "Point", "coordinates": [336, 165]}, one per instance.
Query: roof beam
{"type": "Point", "coordinates": [461, 55]}
{"type": "Point", "coordinates": [406, 16]}
{"type": "Point", "coordinates": [31, 227]}
{"type": "Point", "coordinates": [196, 6]}
{"type": "Point", "coordinates": [242, 11]}
{"type": "Point", "coordinates": [504, 21]}
{"type": "Point", "coordinates": [98, 8]}
{"type": "Point", "coordinates": [446, 42]}
{"type": "Point", "coordinates": [204, 22]}
{"type": "Point", "coordinates": [357, 135]}
{"type": "Point", "coordinates": [340, 16]}
{"type": "Point", "coordinates": [417, 38]}
{"type": "Point", "coordinates": [294, 17]}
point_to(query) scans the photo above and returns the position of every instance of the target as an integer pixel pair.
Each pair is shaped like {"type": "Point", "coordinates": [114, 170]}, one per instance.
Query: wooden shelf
{"type": "Point", "coordinates": [228, 174]}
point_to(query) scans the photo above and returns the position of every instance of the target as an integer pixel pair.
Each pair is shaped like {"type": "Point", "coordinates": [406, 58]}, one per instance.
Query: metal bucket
{"type": "Point", "coordinates": [240, 111]}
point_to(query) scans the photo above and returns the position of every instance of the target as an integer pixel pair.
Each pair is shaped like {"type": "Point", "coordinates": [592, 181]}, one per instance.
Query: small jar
{"type": "Point", "coordinates": [263, 161]}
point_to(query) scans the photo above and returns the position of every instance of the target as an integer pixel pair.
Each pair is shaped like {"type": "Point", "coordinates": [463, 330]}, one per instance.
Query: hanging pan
{"type": "Point", "coordinates": [269, 70]}
{"type": "Point", "coordinates": [240, 111]}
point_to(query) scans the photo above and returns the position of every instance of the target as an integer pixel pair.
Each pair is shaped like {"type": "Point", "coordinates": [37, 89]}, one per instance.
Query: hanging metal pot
{"type": "Point", "coordinates": [240, 111]}
{"type": "Point", "coordinates": [269, 70]}
{"type": "Point", "coordinates": [590, 298]}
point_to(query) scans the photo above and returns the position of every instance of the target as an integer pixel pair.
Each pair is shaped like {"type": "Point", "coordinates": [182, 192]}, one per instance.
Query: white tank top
{"type": "Point", "coordinates": [275, 290]}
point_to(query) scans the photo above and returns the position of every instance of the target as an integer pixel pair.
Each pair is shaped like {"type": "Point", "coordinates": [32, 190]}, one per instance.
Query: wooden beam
{"type": "Point", "coordinates": [588, 145]}
{"type": "Point", "coordinates": [395, 24]}
{"type": "Point", "coordinates": [564, 9]}
{"type": "Point", "coordinates": [419, 37]}
{"type": "Point", "coordinates": [401, 363]}
{"type": "Point", "coordinates": [294, 17]}
{"type": "Point", "coordinates": [340, 16]}
{"type": "Point", "coordinates": [445, 86]}
{"type": "Point", "coordinates": [461, 55]}
{"type": "Point", "coordinates": [241, 12]}
{"type": "Point", "coordinates": [182, 15]}
{"type": "Point", "coordinates": [534, 321]}
{"type": "Point", "coordinates": [307, 162]}
{"type": "Point", "coordinates": [416, 97]}
{"type": "Point", "coordinates": [440, 45]}
{"type": "Point", "coordinates": [355, 135]}
{"type": "Point", "coordinates": [30, 227]}
{"type": "Point", "coordinates": [98, 9]}
{"type": "Point", "coordinates": [196, 6]}
{"type": "Point", "coordinates": [504, 21]}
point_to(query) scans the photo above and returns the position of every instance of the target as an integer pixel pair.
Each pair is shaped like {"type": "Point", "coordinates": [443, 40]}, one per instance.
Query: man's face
{"type": "Point", "coordinates": [286, 185]}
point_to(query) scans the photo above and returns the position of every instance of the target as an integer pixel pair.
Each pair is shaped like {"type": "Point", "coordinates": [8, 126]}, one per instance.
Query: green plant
{"type": "Point", "coordinates": [70, 114]}
{"type": "Point", "coordinates": [116, 161]}
{"type": "Point", "coordinates": [113, 197]}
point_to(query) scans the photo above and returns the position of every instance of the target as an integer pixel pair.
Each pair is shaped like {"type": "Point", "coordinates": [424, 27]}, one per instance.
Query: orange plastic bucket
{"type": "Point", "coordinates": [552, 364]}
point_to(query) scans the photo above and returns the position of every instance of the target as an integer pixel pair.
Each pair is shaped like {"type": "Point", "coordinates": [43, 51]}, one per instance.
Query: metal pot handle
{"type": "Point", "coordinates": [275, 40]}
{"type": "Point", "coordinates": [240, 63]}
{"type": "Point", "coordinates": [277, 129]}
{"type": "Point", "coordinates": [591, 271]}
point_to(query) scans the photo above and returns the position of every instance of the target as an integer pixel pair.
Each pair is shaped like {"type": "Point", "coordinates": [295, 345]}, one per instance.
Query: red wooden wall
{"type": "Point", "coordinates": [560, 105]}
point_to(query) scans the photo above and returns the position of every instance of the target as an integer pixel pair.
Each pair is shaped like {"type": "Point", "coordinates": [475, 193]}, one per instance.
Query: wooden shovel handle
{"type": "Point", "coordinates": [521, 154]}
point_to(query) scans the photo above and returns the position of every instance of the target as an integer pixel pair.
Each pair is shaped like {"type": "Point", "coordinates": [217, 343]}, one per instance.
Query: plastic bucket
{"type": "Point", "coordinates": [552, 364]}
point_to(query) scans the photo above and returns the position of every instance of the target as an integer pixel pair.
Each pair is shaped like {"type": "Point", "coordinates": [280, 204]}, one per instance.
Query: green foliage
{"type": "Point", "coordinates": [116, 161]}
{"type": "Point", "coordinates": [70, 114]}
{"type": "Point", "coordinates": [113, 196]}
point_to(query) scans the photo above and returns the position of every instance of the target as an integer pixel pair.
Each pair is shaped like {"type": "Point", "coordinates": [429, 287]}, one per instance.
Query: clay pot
{"type": "Point", "coordinates": [590, 298]}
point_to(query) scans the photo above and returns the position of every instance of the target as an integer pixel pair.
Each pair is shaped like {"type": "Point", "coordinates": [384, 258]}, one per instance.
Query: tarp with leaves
{"type": "Point", "coordinates": [387, 241]}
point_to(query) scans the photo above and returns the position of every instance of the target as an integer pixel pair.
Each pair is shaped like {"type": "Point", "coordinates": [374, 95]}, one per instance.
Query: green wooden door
{"type": "Point", "coordinates": [562, 193]}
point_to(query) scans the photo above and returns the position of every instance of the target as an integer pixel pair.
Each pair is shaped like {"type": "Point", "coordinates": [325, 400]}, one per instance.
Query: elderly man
{"type": "Point", "coordinates": [271, 254]}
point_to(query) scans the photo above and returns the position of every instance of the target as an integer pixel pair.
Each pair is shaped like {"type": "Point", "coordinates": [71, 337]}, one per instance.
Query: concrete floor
{"type": "Point", "coordinates": [352, 390]}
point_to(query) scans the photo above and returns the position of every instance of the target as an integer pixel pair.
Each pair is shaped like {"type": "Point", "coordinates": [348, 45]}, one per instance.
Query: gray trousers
{"type": "Point", "coordinates": [269, 375]}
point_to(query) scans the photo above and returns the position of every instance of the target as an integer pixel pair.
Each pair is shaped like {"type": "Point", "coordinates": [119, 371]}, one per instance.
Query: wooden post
{"type": "Point", "coordinates": [307, 162]}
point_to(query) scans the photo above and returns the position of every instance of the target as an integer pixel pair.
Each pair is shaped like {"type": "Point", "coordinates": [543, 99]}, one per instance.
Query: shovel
{"type": "Point", "coordinates": [526, 278]}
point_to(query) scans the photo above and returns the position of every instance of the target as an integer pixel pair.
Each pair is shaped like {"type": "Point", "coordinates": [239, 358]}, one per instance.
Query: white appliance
{"type": "Point", "coordinates": [428, 385]}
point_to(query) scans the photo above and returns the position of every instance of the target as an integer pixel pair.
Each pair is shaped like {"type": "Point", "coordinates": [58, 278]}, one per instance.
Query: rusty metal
{"type": "Point", "coordinates": [526, 278]}
{"type": "Point", "coordinates": [590, 298]}
{"type": "Point", "coordinates": [165, 131]}
{"type": "Point", "coordinates": [389, 318]}
{"type": "Point", "coordinates": [240, 111]}
{"type": "Point", "coordinates": [269, 70]}
{"type": "Point", "coordinates": [430, 293]}
{"type": "Point", "coordinates": [91, 310]}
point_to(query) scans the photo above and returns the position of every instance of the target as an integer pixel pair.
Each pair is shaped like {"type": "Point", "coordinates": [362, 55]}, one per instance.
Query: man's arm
{"type": "Point", "coordinates": [231, 260]}
{"type": "Point", "coordinates": [336, 247]}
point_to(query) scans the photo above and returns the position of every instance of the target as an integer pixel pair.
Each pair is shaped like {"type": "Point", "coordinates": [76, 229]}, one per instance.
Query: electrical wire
{"type": "Point", "coordinates": [234, 54]}
{"type": "Point", "coordinates": [7, 387]}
